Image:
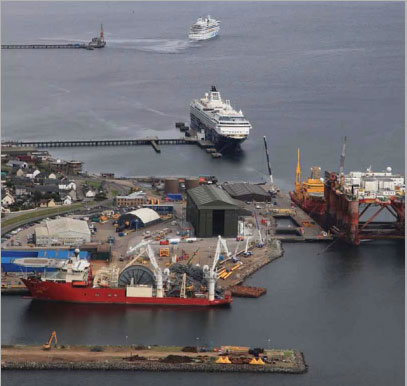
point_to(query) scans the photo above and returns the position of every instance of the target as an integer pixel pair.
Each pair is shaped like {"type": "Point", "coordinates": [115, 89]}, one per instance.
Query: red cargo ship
{"type": "Point", "coordinates": [136, 284]}
{"type": "Point", "coordinates": [82, 292]}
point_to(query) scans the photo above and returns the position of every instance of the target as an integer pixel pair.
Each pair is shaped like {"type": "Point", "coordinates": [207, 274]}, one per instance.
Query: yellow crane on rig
{"type": "Point", "coordinates": [47, 345]}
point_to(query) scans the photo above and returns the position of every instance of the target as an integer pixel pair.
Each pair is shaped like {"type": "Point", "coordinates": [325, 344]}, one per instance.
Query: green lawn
{"type": "Point", "coordinates": [41, 212]}
{"type": "Point", "coordinates": [93, 184]}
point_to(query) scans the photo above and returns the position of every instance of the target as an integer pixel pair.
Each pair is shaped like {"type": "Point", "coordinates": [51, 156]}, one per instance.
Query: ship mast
{"type": "Point", "coordinates": [101, 32]}
{"type": "Point", "coordinates": [298, 174]}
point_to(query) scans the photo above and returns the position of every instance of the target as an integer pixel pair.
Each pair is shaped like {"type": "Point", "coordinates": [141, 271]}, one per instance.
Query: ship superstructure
{"type": "Point", "coordinates": [309, 194]}
{"type": "Point", "coordinates": [226, 127]}
{"type": "Point", "coordinates": [99, 41]}
{"type": "Point", "coordinates": [204, 29]}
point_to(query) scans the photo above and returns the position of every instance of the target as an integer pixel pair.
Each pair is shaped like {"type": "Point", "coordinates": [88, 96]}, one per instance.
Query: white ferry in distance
{"type": "Point", "coordinates": [204, 28]}
{"type": "Point", "coordinates": [224, 126]}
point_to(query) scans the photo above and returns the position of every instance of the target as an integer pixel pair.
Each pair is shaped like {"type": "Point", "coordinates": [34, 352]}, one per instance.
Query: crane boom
{"type": "Point", "coordinates": [157, 270]}
{"type": "Point", "coordinates": [268, 160]}
{"type": "Point", "coordinates": [247, 244]}
{"type": "Point", "coordinates": [342, 161]}
{"type": "Point", "coordinates": [258, 227]}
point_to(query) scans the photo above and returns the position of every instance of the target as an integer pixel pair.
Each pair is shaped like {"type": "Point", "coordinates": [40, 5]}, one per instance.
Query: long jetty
{"type": "Point", "coordinates": [44, 46]}
{"type": "Point", "coordinates": [154, 142]}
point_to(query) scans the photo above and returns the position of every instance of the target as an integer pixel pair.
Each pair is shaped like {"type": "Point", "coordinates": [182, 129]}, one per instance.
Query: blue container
{"type": "Point", "coordinates": [174, 196]}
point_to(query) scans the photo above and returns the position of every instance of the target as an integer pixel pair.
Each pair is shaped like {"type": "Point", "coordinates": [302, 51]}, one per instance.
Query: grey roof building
{"type": "Point", "coordinates": [247, 192]}
{"type": "Point", "coordinates": [212, 212]}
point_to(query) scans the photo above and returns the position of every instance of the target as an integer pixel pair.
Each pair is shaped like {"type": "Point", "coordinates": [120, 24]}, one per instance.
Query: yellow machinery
{"type": "Point", "coordinates": [312, 187]}
{"type": "Point", "coordinates": [47, 346]}
{"type": "Point", "coordinates": [255, 361]}
{"type": "Point", "coordinates": [223, 359]}
{"type": "Point", "coordinates": [164, 252]}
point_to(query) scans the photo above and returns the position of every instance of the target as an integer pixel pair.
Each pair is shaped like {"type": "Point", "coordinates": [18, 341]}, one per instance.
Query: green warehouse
{"type": "Point", "coordinates": [212, 212]}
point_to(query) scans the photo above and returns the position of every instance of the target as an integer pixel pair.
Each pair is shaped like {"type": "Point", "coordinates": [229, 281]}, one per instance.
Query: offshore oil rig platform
{"type": "Point", "coordinates": [348, 199]}
{"type": "Point", "coordinates": [341, 203]}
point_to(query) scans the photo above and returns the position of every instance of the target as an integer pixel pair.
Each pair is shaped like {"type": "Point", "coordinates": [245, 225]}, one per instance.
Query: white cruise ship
{"type": "Point", "coordinates": [224, 126]}
{"type": "Point", "coordinates": [204, 28]}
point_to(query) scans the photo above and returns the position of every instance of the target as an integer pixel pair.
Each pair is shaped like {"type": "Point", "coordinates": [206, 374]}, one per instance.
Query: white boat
{"type": "Point", "coordinates": [204, 28]}
{"type": "Point", "coordinates": [222, 124]}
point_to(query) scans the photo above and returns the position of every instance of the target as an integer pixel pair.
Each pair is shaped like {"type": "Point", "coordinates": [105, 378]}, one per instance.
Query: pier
{"type": "Point", "coordinates": [96, 42]}
{"type": "Point", "coordinates": [43, 46]}
{"type": "Point", "coordinates": [154, 142]}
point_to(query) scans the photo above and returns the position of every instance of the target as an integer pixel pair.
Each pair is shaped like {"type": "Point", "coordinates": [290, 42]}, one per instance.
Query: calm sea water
{"type": "Point", "coordinates": [304, 74]}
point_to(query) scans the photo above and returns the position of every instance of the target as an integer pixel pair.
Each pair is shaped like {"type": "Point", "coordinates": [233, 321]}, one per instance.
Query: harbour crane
{"type": "Point", "coordinates": [47, 345]}
{"type": "Point", "coordinates": [210, 273]}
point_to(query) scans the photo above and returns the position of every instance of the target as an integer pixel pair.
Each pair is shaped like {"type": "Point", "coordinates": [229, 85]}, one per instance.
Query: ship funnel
{"type": "Point", "coordinates": [213, 89]}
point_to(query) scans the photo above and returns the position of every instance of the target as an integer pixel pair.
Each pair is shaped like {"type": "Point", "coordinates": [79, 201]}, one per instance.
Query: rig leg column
{"type": "Point", "coordinates": [353, 219]}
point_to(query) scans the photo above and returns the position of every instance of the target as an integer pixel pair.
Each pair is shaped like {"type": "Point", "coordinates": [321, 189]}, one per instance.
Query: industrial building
{"type": "Point", "coordinates": [162, 209]}
{"type": "Point", "coordinates": [64, 231]}
{"type": "Point", "coordinates": [212, 212]}
{"type": "Point", "coordinates": [139, 218]}
{"type": "Point", "coordinates": [133, 199]}
{"type": "Point", "coordinates": [247, 192]}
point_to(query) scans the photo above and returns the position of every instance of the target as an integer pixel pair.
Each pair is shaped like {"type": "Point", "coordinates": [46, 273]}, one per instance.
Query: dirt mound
{"type": "Point", "coordinates": [176, 359]}
{"type": "Point", "coordinates": [190, 349]}
{"type": "Point", "coordinates": [135, 358]}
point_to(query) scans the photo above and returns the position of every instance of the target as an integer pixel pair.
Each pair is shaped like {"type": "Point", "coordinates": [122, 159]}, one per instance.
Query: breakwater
{"type": "Point", "coordinates": [112, 358]}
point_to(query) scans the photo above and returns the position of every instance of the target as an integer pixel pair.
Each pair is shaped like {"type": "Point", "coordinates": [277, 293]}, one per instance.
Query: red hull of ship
{"type": "Point", "coordinates": [66, 292]}
{"type": "Point", "coordinates": [312, 207]}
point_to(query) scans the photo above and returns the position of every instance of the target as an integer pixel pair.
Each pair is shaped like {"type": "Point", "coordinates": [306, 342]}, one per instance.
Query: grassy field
{"type": "Point", "coordinates": [39, 213]}
{"type": "Point", "coordinates": [94, 184]}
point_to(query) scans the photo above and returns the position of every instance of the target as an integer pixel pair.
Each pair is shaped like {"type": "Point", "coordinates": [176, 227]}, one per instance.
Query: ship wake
{"type": "Point", "coordinates": [158, 46]}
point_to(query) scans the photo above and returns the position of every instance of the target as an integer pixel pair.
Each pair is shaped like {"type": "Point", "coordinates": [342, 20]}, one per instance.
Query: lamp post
{"type": "Point", "coordinates": [197, 343]}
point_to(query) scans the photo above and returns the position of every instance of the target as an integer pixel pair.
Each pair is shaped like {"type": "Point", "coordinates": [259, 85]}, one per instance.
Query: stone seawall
{"type": "Point", "coordinates": [151, 366]}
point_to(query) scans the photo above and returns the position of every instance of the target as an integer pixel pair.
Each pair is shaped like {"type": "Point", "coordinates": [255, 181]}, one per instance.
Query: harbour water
{"type": "Point", "coordinates": [304, 74]}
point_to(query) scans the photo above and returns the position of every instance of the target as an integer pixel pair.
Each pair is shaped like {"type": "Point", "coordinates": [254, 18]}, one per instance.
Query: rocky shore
{"type": "Point", "coordinates": [149, 366]}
